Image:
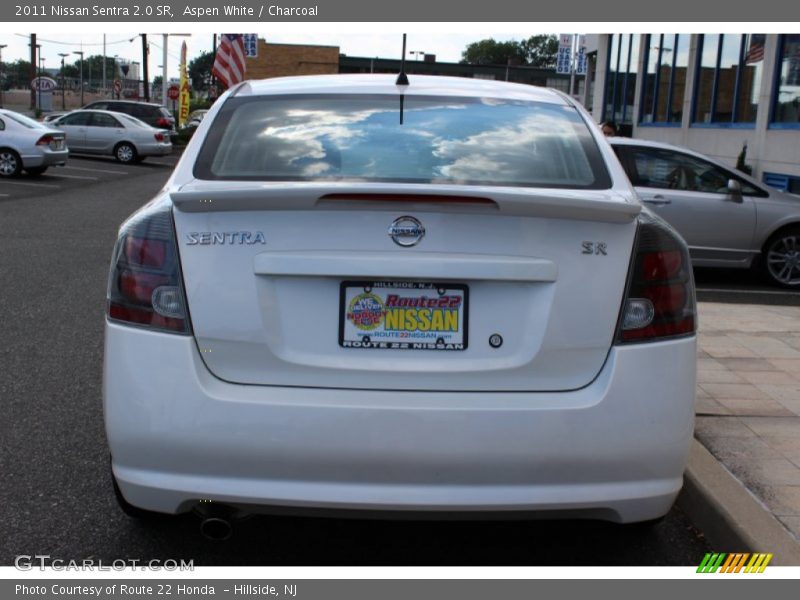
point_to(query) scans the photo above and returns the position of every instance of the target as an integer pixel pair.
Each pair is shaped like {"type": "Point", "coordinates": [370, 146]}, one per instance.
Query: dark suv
{"type": "Point", "coordinates": [152, 114]}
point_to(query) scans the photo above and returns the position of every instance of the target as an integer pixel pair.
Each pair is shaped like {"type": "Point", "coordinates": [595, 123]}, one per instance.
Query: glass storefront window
{"type": "Point", "coordinates": [621, 78]}
{"type": "Point", "coordinates": [665, 79]}
{"type": "Point", "coordinates": [729, 77]}
{"type": "Point", "coordinates": [787, 96]}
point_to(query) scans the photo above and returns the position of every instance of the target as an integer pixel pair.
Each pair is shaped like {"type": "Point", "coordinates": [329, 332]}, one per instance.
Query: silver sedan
{"type": "Point", "coordinates": [105, 132]}
{"type": "Point", "coordinates": [727, 218]}
{"type": "Point", "coordinates": [28, 145]}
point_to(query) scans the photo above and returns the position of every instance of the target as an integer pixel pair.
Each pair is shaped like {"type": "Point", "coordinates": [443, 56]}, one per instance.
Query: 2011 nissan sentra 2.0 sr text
{"type": "Point", "coordinates": [442, 297]}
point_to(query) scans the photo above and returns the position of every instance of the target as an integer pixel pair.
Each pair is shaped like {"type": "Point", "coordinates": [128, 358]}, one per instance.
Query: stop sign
{"type": "Point", "coordinates": [173, 92]}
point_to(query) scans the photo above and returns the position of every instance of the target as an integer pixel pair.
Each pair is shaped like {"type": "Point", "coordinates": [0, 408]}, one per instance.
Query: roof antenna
{"type": "Point", "coordinates": [402, 78]}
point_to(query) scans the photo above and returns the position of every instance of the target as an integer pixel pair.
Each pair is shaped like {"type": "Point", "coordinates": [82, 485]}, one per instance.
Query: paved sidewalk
{"type": "Point", "coordinates": [748, 400]}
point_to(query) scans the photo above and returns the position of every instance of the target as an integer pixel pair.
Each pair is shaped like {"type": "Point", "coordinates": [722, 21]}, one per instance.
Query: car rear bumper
{"type": "Point", "coordinates": [45, 158]}
{"type": "Point", "coordinates": [155, 149]}
{"type": "Point", "coordinates": [615, 449]}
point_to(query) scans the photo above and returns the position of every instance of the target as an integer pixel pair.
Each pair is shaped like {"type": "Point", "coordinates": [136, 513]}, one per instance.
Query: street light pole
{"type": "Point", "coordinates": [63, 81]}
{"type": "Point", "coordinates": [80, 52]}
{"type": "Point", "coordinates": [1, 73]}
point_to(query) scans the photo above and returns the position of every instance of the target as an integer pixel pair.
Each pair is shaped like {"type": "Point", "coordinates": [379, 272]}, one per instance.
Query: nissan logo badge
{"type": "Point", "coordinates": [406, 231]}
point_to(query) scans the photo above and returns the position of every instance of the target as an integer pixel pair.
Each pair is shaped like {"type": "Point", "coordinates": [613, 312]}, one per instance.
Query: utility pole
{"type": "Point", "coordinates": [164, 72]}
{"type": "Point", "coordinates": [80, 52]}
{"type": "Point", "coordinates": [1, 73]}
{"type": "Point", "coordinates": [39, 77]}
{"type": "Point", "coordinates": [144, 68]}
{"type": "Point", "coordinates": [33, 69]}
{"type": "Point", "coordinates": [63, 81]}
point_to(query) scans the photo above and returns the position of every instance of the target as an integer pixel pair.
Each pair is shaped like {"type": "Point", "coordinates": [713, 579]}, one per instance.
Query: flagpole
{"type": "Point", "coordinates": [213, 60]}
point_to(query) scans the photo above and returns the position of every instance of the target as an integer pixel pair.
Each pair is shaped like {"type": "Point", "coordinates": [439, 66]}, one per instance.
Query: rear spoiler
{"type": "Point", "coordinates": [587, 205]}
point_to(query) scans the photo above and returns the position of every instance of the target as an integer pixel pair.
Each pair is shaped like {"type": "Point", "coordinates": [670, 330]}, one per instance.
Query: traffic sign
{"type": "Point", "coordinates": [173, 92]}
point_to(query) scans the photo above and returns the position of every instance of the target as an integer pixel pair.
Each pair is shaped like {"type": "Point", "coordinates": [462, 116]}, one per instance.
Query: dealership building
{"type": "Point", "coordinates": [711, 93]}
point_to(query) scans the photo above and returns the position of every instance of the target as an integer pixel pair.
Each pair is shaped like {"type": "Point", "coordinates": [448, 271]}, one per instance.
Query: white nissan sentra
{"type": "Point", "coordinates": [442, 296]}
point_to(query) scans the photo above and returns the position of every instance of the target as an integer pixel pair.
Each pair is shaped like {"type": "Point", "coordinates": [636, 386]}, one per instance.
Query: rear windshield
{"type": "Point", "coordinates": [133, 121]}
{"type": "Point", "coordinates": [24, 121]}
{"type": "Point", "coordinates": [411, 139]}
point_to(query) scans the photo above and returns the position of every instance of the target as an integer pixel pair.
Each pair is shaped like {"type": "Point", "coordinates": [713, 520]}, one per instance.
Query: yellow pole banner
{"type": "Point", "coordinates": [183, 107]}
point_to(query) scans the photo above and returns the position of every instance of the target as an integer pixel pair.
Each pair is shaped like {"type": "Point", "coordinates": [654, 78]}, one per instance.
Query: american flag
{"type": "Point", "coordinates": [229, 65]}
{"type": "Point", "coordinates": [756, 52]}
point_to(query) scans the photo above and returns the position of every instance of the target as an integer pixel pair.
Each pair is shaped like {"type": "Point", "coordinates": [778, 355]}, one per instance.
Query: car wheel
{"type": "Point", "coordinates": [125, 153]}
{"type": "Point", "coordinates": [10, 163]}
{"type": "Point", "coordinates": [36, 170]}
{"type": "Point", "coordinates": [781, 258]}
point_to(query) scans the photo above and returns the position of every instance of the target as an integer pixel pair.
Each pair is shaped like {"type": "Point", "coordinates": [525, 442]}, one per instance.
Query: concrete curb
{"type": "Point", "coordinates": [731, 518]}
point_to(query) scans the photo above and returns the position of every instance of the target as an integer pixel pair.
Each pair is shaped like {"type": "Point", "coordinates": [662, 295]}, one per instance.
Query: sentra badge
{"type": "Point", "coordinates": [210, 238]}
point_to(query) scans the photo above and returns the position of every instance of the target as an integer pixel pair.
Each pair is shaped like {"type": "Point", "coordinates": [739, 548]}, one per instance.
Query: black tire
{"type": "Point", "coordinates": [10, 163]}
{"type": "Point", "coordinates": [780, 260]}
{"type": "Point", "coordinates": [125, 153]}
{"type": "Point", "coordinates": [129, 509]}
{"type": "Point", "coordinates": [36, 171]}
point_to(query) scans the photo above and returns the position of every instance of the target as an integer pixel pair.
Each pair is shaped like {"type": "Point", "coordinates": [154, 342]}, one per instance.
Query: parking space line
{"type": "Point", "coordinates": [754, 292]}
{"type": "Point", "coordinates": [43, 185]}
{"type": "Point", "coordinates": [97, 170]}
{"type": "Point", "coordinates": [76, 177]}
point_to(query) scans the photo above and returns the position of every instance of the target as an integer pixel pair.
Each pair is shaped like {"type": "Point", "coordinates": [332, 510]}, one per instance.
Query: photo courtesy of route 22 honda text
{"type": "Point", "coordinates": [440, 297]}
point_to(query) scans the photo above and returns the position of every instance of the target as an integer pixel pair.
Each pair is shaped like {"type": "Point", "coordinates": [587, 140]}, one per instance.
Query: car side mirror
{"type": "Point", "coordinates": [735, 190]}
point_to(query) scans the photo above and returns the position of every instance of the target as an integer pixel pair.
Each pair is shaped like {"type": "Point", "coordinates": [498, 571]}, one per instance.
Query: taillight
{"type": "Point", "coordinates": [45, 140]}
{"type": "Point", "coordinates": [159, 137]}
{"type": "Point", "coordinates": [660, 298]}
{"type": "Point", "coordinates": [145, 286]}
{"type": "Point", "coordinates": [163, 122]}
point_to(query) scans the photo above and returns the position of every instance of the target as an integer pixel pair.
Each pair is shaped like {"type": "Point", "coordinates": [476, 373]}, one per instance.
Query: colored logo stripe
{"type": "Point", "coordinates": [734, 562]}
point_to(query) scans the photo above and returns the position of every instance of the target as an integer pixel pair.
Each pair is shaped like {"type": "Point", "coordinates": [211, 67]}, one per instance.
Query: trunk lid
{"type": "Point", "coordinates": [273, 270]}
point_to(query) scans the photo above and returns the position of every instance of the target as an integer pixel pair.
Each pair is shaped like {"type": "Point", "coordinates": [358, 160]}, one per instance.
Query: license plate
{"type": "Point", "coordinates": [403, 315]}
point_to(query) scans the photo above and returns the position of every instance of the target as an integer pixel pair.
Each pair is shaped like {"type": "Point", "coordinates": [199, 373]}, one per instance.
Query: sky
{"type": "Point", "coordinates": [446, 40]}
{"type": "Point", "coordinates": [447, 46]}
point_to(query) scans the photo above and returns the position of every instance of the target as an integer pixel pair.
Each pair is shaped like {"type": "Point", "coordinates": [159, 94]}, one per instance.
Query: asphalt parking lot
{"type": "Point", "coordinates": [81, 172]}
{"type": "Point", "coordinates": [56, 236]}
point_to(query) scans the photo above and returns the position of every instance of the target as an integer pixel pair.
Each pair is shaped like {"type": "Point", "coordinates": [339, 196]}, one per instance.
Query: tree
{"type": "Point", "coordinates": [18, 73]}
{"type": "Point", "coordinates": [93, 68]}
{"type": "Point", "coordinates": [200, 70]}
{"type": "Point", "coordinates": [540, 51]}
{"type": "Point", "coordinates": [537, 51]}
{"type": "Point", "coordinates": [491, 52]}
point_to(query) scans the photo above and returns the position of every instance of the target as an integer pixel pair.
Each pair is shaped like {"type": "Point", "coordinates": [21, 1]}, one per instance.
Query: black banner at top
{"type": "Point", "coordinates": [211, 11]}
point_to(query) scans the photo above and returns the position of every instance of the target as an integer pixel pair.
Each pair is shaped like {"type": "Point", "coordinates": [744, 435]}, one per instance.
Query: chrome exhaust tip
{"type": "Point", "coordinates": [217, 529]}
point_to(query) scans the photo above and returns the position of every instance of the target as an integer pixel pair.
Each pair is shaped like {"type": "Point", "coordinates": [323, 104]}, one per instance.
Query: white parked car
{"type": "Point", "coordinates": [122, 136]}
{"type": "Point", "coordinates": [437, 297]}
{"type": "Point", "coordinates": [28, 145]}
